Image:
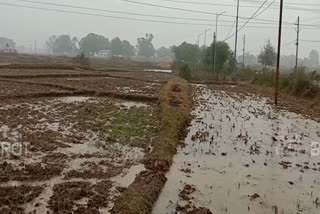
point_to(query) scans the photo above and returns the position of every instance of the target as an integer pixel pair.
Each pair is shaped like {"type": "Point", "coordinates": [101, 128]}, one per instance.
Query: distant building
{"type": "Point", "coordinates": [103, 54]}
{"type": "Point", "coordinates": [8, 50]}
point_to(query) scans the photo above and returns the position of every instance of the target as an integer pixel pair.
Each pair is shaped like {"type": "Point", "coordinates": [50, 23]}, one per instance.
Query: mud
{"type": "Point", "coordinates": [74, 161]}
{"type": "Point", "coordinates": [106, 84]}
{"type": "Point", "coordinates": [244, 156]}
{"type": "Point", "coordinates": [8, 89]}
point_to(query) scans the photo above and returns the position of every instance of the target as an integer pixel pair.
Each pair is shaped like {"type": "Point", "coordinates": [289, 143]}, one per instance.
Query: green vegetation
{"type": "Point", "coordinates": [175, 105]}
{"type": "Point", "coordinates": [299, 83]}
{"type": "Point", "coordinates": [185, 72]}
{"type": "Point", "coordinates": [134, 126]}
{"type": "Point", "coordinates": [196, 64]}
{"type": "Point", "coordinates": [145, 47]}
{"type": "Point", "coordinates": [93, 43]}
{"type": "Point", "coordinates": [62, 44]}
{"type": "Point", "coordinates": [187, 53]}
{"type": "Point", "coordinates": [268, 55]}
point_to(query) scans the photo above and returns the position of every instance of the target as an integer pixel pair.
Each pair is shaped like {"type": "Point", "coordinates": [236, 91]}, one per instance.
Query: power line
{"type": "Point", "coordinates": [156, 16]}
{"type": "Point", "coordinates": [128, 13]}
{"type": "Point", "coordinates": [106, 16]}
{"type": "Point", "coordinates": [288, 3]}
{"type": "Point", "coordinates": [197, 11]}
{"type": "Point", "coordinates": [136, 19]}
{"type": "Point", "coordinates": [254, 14]}
{"type": "Point", "coordinates": [246, 6]}
{"type": "Point", "coordinates": [266, 8]}
{"type": "Point", "coordinates": [288, 43]}
{"type": "Point", "coordinates": [230, 30]}
{"type": "Point", "coordinates": [312, 41]}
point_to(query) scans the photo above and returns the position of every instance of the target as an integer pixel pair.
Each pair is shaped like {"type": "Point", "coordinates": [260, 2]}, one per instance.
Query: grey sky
{"type": "Point", "coordinates": [26, 25]}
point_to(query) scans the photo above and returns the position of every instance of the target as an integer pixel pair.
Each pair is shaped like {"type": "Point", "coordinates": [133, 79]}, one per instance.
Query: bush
{"type": "Point", "coordinates": [298, 83]}
{"type": "Point", "coordinates": [246, 74]}
{"type": "Point", "coordinates": [185, 72]}
{"type": "Point", "coordinates": [81, 59]}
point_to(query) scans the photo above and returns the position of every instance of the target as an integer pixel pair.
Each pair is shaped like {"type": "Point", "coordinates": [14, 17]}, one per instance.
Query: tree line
{"type": "Point", "coordinates": [192, 54]}
{"type": "Point", "coordinates": [94, 43]}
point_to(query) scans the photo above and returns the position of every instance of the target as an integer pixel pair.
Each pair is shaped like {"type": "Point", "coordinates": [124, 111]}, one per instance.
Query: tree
{"type": "Point", "coordinates": [145, 46]}
{"type": "Point", "coordinates": [5, 41]}
{"type": "Point", "coordinates": [116, 46]}
{"type": "Point", "coordinates": [224, 54]}
{"type": "Point", "coordinates": [127, 49]}
{"type": "Point", "coordinates": [187, 53]}
{"type": "Point", "coordinates": [314, 58]}
{"type": "Point", "coordinates": [268, 56]}
{"type": "Point", "coordinates": [62, 45]}
{"type": "Point", "coordinates": [163, 52]}
{"type": "Point", "coordinates": [50, 42]}
{"type": "Point", "coordinates": [93, 43]}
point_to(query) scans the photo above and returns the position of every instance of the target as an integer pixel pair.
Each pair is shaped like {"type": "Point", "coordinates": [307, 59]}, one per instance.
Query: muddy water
{"type": "Point", "coordinates": [78, 156]}
{"type": "Point", "coordinates": [243, 156]}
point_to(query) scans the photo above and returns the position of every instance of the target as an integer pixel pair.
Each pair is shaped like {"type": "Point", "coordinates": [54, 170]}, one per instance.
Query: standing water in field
{"type": "Point", "coordinates": [243, 156]}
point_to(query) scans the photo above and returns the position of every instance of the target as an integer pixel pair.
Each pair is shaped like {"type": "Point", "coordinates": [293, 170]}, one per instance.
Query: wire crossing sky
{"type": "Point", "coordinates": [171, 21]}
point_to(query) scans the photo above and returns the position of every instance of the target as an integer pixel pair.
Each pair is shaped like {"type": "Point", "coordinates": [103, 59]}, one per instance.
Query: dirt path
{"type": "Point", "coordinates": [243, 156]}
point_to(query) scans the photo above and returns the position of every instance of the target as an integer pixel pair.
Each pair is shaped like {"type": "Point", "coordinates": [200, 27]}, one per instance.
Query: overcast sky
{"type": "Point", "coordinates": [25, 25]}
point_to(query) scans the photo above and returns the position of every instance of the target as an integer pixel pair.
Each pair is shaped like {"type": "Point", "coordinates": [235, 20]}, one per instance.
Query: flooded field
{"type": "Point", "coordinates": [71, 154]}
{"type": "Point", "coordinates": [243, 156]}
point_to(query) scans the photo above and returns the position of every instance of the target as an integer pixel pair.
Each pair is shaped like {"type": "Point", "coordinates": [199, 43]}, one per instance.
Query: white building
{"type": "Point", "coordinates": [103, 54]}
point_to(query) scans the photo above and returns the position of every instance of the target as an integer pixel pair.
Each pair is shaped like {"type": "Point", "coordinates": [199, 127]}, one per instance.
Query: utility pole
{"type": "Point", "coordinates": [236, 44]}
{"type": "Point", "coordinates": [215, 42]}
{"type": "Point", "coordinates": [244, 49]}
{"type": "Point", "coordinates": [279, 54]}
{"type": "Point", "coordinates": [214, 53]}
{"type": "Point", "coordinates": [297, 44]}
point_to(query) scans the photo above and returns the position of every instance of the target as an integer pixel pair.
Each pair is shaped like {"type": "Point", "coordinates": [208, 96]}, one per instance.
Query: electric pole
{"type": "Point", "coordinates": [279, 54]}
{"type": "Point", "coordinates": [214, 53]}
{"type": "Point", "coordinates": [244, 49]}
{"type": "Point", "coordinates": [297, 44]}
{"type": "Point", "coordinates": [215, 42]}
{"type": "Point", "coordinates": [236, 44]}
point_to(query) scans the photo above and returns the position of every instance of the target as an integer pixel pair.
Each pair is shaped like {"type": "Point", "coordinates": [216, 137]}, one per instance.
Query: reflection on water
{"type": "Point", "coordinates": [243, 156]}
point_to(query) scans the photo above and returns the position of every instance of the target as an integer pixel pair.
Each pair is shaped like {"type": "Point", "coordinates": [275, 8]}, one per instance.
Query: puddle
{"type": "Point", "coordinates": [75, 99]}
{"type": "Point", "coordinates": [128, 176]}
{"type": "Point", "coordinates": [83, 152]}
{"type": "Point", "coordinates": [244, 157]}
{"type": "Point", "coordinates": [130, 104]}
{"type": "Point", "coordinates": [159, 70]}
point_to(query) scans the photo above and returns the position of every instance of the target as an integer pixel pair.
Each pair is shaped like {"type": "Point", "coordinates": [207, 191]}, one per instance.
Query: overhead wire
{"type": "Point", "coordinates": [254, 14]}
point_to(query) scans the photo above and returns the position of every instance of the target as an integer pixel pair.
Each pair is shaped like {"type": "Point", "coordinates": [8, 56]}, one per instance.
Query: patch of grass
{"type": "Point", "coordinates": [185, 72]}
{"type": "Point", "coordinates": [133, 127]}
{"type": "Point", "coordinates": [174, 106]}
{"type": "Point", "coordinates": [297, 83]}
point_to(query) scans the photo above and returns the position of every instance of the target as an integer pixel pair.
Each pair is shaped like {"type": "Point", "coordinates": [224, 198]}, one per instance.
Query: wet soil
{"type": "Point", "coordinates": [144, 75]}
{"type": "Point", "coordinates": [20, 89]}
{"type": "Point", "coordinates": [107, 84]}
{"type": "Point", "coordinates": [300, 105]}
{"type": "Point", "coordinates": [77, 155]}
{"type": "Point", "coordinates": [242, 155]}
